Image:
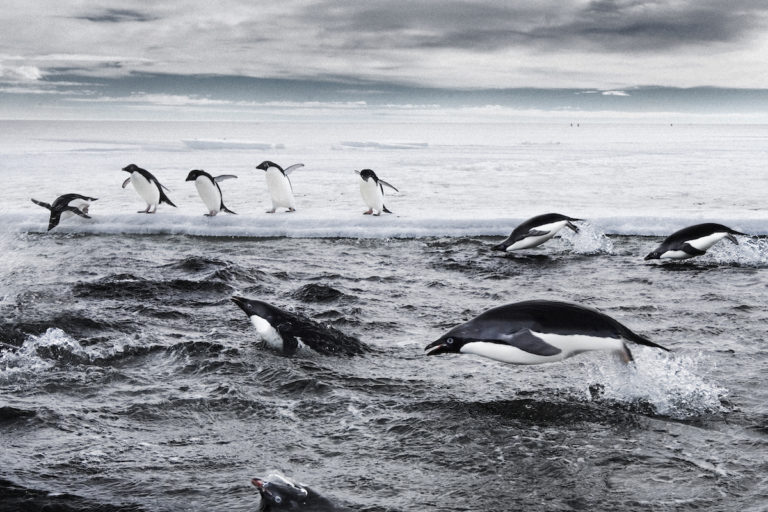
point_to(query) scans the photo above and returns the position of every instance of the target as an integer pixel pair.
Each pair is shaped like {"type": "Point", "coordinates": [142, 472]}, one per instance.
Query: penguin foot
{"type": "Point", "coordinates": [291, 210]}
{"type": "Point", "coordinates": [272, 210]}
{"type": "Point", "coordinates": [368, 212]}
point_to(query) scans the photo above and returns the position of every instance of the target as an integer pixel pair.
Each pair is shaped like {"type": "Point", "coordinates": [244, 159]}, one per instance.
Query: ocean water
{"type": "Point", "coordinates": [130, 381]}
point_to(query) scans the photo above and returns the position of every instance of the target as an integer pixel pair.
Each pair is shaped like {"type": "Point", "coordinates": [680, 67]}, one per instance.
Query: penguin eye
{"type": "Point", "coordinates": [449, 341]}
{"type": "Point", "coordinates": [278, 500]}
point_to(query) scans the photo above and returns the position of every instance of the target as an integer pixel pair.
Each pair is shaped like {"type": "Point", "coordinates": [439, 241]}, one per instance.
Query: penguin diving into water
{"type": "Point", "coordinates": [209, 190]}
{"type": "Point", "coordinates": [65, 206]}
{"type": "Point", "coordinates": [535, 231]}
{"type": "Point", "coordinates": [538, 331]}
{"type": "Point", "coordinates": [290, 334]}
{"type": "Point", "coordinates": [147, 186]}
{"type": "Point", "coordinates": [279, 185]}
{"type": "Point", "coordinates": [372, 190]}
{"type": "Point", "coordinates": [692, 241]}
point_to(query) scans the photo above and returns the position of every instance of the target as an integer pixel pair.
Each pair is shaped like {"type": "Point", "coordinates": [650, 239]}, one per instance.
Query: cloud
{"type": "Point", "coordinates": [116, 16]}
{"type": "Point", "coordinates": [19, 73]}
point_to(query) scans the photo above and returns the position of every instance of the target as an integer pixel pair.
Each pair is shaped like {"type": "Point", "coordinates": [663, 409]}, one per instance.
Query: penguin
{"type": "Point", "coordinates": [535, 231]}
{"type": "Point", "coordinates": [147, 187]}
{"type": "Point", "coordinates": [538, 331]}
{"type": "Point", "coordinates": [291, 334]}
{"type": "Point", "coordinates": [372, 190]}
{"type": "Point", "coordinates": [279, 185]}
{"type": "Point", "coordinates": [692, 241]}
{"type": "Point", "coordinates": [279, 492]}
{"type": "Point", "coordinates": [209, 190]}
{"type": "Point", "coordinates": [65, 206]}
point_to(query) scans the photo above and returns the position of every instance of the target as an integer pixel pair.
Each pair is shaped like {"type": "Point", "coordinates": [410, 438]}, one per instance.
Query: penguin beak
{"type": "Point", "coordinates": [259, 483]}
{"type": "Point", "coordinates": [242, 303]}
{"type": "Point", "coordinates": [499, 247]}
{"type": "Point", "coordinates": [435, 348]}
{"type": "Point", "coordinates": [651, 256]}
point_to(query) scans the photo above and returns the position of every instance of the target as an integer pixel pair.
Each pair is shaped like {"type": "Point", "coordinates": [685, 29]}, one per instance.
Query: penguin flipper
{"type": "Point", "coordinates": [572, 226]}
{"type": "Point", "coordinates": [290, 169]}
{"type": "Point", "coordinates": [526, 341]}
{"type": "Point", "coordinates": [40, 203]}
{"type": "Point", "coordinates": [388, 185]}
{"type": "Point", "coordinates": [732, 238]}
{"type": "Point", "coordinates": [126, 182]}
{"type": "Point", "coordinates": [689, 249]}
{"type": "Point", "coordinates": [78, 211]}
{"type": "Point", "coordinates": [224, 177]}
{"type": "Point", "coordinates": [225, 209]}
{"type": "Point", "coordinates": [164, 198]}
{"type": "Point", "coordinates": [534, 232]}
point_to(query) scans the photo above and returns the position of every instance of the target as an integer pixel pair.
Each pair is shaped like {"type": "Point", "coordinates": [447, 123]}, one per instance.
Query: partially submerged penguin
{"type": "Point", "coordinates": [147, 186]}
{"type": "Point", "coordinates": [535, 231]}
{"type": "Point", "coordinates": [538, 331]}
{"type": "Point", "coordinates": [279, 185]}
{"type": "Point", "coordinates": [209, 190]}
{"type": "Point", "coordinates": [372, 190]}
{"type": "Point", "coordinates": [281, 493]}
{"type": "Point", "coordinates": [692, 241]}
{"type": "Point", "coordinates": [65, 206]}
{"type": "Point", "coordinates": [289, 333]}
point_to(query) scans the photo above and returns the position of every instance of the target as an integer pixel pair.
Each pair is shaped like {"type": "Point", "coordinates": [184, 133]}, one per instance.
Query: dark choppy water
{"type": "Point", "coordinates": [137, 385]}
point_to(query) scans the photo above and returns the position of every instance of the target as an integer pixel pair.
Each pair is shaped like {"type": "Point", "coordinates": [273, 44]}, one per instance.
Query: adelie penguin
{"type": "Point", "coordinates": [372, 190]}
{"type": "Point", "coordinates": [281, 493]}
{"type": "Point", "coordinates": [535, 231]}
{"type": "Point", "coordinates": [209, 190]}
{"type": "Point", "coordinates": [538, 331]}
{"type": "Point", "coordinates": [692, 241]}
{"type": "Point", "coordinates": [290, 334]}
{"type": "Point", "coordinates": [147, 186]}
{"type": "Point", "coordinates": [279, 185]}
{"type": "Point", "coordinates": [65, 206]}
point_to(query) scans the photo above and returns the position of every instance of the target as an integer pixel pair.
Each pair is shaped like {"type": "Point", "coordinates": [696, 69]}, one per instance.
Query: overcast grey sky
{"type": "Point", "coordinates": [49, 45]}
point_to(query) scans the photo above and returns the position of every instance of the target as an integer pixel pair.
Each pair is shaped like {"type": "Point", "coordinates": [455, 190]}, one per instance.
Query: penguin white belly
{"type": "Point", "coordinates": [280, 189]}
{"type": "Point", "coordinates": [532, 241]}
{"type": "Point", "coordinates": [268, 334]}
{"type": "Point", "coordinates": [675, 255]}
{"type": "Point", "coordinates": [147, 191]}
{"type": "Point", "coordinates": [706, 242]}
{"type": "Point", "coordinates": [209, 193]}
{"type": "Point", "coordinates": [569, 345]}
{"type": "Point", "coordinates": [372, 196]}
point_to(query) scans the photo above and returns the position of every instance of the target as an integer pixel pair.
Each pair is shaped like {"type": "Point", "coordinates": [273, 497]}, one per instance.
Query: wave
{"type": "Point", "coordinates": [320, 223]}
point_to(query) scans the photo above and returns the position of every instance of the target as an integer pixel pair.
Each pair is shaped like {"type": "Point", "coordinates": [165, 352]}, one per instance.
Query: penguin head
{"type": "Point", "coordinates": [253, 307]}
{"type": "Point", "coordinates": [266, 164]}
{"type": "Point", "coordinates": [279, 493]}
{"type": "Point", "coordinates": [653, 255]}
{"type": "Point", "coordinates": [367, 174]}
{"type": "Point", "coordinates": [194, 174]}
{"type": "Point", "coordinates": [447, 344]}
{"type": "Point", "coordinates": [131, 168]}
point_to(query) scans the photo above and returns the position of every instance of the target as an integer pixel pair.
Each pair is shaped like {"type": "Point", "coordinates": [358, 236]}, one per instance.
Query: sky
{"type": "Point", "coordinates": [59, 58]}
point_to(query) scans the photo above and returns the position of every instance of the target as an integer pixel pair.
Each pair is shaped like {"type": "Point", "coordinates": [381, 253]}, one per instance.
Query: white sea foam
{"type": "Point", "coordinates": [38, 354]}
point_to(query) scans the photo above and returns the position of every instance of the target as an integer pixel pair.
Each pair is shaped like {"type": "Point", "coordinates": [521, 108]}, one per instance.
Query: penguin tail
{"type": "Point", "coordinates": [385, 209]}
{"type": "Point", "coordinates": [641, 340]}
{"type": "Point", "coordinates": [225, 209]}
{"type": "Point", "coordinates": [571, 226]}
{"type": "Point", "coordinates": [164, 199]}
{"type": "Point", "coordinates": [40, 203]}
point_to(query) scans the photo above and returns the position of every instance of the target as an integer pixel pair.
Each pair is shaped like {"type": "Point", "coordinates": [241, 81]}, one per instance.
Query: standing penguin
{"type": "Point", "coordinates": [66, 206]}
{"type": "Point", "coordinates": [147, 187]}
{"type": "Point", "coordinates": [209, 190]}
{"type": "Point", "coordinates": [372, 190]}
{"type": "Point", "coordinates": [279, 185]}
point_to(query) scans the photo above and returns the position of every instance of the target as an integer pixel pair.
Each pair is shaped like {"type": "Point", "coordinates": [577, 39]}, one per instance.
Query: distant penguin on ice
{"type": "Point", "coordinates": [147, 186]}
{"type": "Point", "coordinates": [279, 185]}
{"type": "Point", "coordinates": [289, 333]}
{"type": "Point", "coordinates": [535, 231]}
{"type": "Point", "coordinates": [209, 190]}
{"type": "Point", "coordinates": [538, 331]}
{"type": "Point", "coordinates": [372, 190]}
{"type": "Point", "coordinates": [65, 206]}
{"type": "Point", "coordinates": [692, 241]}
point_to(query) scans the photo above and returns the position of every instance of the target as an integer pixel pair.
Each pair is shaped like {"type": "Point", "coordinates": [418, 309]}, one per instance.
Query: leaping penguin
{"type": "Point", "coordinates": [279, 185]}
{"type": "Point", "coordinates": [538, 331]}
{"type": "Point", "coordinates": [147, 186]}
{"type": "Point", "coordinates": [535, 231]}
{"type": "Point", "coordinates": [692, 241]}
{"type": "Point", "coordinates": [209, 190]}
{"type": "Point", "coordinates": [65, 206]}
{"type": "Point", "coordinates": [289, 333]}
{"type": "Point", "coordinates": [372, 190]}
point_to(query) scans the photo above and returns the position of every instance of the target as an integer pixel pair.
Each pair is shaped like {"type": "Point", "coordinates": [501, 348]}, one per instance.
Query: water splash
{"type": "Point", "coordinates": [588, 241]}
{"type": "Point", "coordinates": [669, 384]}
{"type": "Point", "coordinates": [40, 353]}
{"type": "Point", "coordinates": [750, 252]}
